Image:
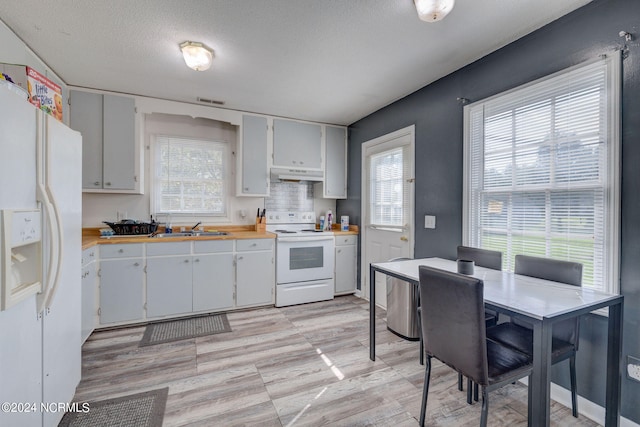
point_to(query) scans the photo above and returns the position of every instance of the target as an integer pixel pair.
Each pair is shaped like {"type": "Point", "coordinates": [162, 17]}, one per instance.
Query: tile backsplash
{"type": "Point", "coordinates": [290, 196]}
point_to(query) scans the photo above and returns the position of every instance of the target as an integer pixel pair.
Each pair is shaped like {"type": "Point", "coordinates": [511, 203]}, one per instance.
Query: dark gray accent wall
{"type": "Point", "coordinates": [437, 115]}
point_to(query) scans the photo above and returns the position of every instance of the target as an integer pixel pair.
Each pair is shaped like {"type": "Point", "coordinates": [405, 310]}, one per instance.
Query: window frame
{"type": "Point", "coordinates": [228, 180]}
{"type": "Point", "coordinates": [611, 226]}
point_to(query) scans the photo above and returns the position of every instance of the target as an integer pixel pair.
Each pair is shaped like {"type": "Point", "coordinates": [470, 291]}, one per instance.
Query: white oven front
{"type": "Point", "coordinates": [303, 259]}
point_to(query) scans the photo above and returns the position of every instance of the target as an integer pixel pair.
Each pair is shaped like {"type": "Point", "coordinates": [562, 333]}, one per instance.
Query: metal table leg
{"type": "Point", "coordinates": [372, 313]}
{"type": "Point", "coordinates": [540, 380]}
{"type": "Point", "coordinates": [614, 351]}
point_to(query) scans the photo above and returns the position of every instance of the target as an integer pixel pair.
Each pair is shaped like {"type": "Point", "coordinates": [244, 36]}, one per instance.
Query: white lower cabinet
{"type": "Point", "coordinates": [169, 277]}
{"type": "Point", "coordinates": [255, 272]}
{"type": "Point", "coordinates": [169, 289]}
{"type": "Point", "coordinates": [346, 262]}
{"type": "Point", "coordinates": [121, 290]}
{"type": "Point", "coordinates": [88, 291]}
{"type": "Point", "coordinates": [183, 278]}
{"type": "Point", "coordinates": [212, 282]}
{"type": "Point", "coordinates": [213, 275]}
{"type": "Point", "coordinates": [121, 283]}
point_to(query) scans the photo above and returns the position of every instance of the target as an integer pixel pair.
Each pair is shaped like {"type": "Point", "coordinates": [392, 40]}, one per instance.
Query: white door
{"type": "Point", "coordinates": [61, 334]}
{"type": "Point", "coordinates": [20, 327]}
{"type": "Point", "coordinates": [387, 203]}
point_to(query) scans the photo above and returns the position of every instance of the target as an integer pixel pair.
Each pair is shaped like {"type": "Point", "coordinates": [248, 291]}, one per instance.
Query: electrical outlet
{"type": "Point", "coordinates": [633, 368]}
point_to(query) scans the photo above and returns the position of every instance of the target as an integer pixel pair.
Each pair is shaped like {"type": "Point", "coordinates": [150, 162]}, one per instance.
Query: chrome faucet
{"type": "Point", "coordinates": [196, 226]}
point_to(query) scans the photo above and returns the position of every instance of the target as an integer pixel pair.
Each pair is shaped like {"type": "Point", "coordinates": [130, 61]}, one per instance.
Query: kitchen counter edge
{"type": "Point", "coordinates": [89, 241]}
{"type": "Point", "coordinates": [91, 237]}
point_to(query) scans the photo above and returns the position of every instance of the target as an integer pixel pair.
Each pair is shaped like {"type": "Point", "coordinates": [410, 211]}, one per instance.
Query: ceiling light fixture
{"type": "Point", "coordinates": [433, 10]}
{"type": "Point", "coordinates": [196, 55]}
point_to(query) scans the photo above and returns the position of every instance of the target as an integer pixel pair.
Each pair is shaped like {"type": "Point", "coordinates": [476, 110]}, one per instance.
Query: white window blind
{"type": "Point", "coordinates": [190, 176]}
{"type": "Point", "coordinates": [542, 171]}
{"type": "Point", "coordinates": [389, 189]}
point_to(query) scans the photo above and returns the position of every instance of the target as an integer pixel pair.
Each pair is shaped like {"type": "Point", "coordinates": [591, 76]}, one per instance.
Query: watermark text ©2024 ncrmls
{"type": "Point", "coordinates": [53, 407]}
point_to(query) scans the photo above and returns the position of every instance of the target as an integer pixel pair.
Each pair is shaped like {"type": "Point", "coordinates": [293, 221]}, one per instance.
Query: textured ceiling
{"type": "Point", "coordinates": [332, 61]}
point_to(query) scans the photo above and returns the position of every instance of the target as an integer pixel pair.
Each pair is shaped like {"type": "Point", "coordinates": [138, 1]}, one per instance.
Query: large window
{"type": "Point", "coordinates": [541, 171]}
{"type": "Point", "coordinates": [190, 176]}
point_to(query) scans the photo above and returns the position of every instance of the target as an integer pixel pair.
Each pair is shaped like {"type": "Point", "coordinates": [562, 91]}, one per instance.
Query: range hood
{"type": "Point", "coordinates": [285, 174]}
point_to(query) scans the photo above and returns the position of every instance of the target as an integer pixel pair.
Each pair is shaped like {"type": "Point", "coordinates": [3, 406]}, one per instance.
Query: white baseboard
{"type": "Point", "coordinates": [586, 407]}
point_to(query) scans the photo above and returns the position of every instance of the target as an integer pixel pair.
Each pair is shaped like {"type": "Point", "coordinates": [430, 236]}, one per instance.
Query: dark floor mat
{"type": "Point", "coordinates": [136, 410]}
{"type": "Point", "coordinates": [175, 330]}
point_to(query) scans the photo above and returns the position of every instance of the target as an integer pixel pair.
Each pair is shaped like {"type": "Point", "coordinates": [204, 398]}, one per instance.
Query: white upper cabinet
{"type": "Point", "coordinates": [265, 142]}
{"type": "Point", "coordinates": [253, 179]}
{"type": "Point", "coordinates": [335, 175]}
{"type": "Point", "coordinates": [119, 143]}
{"type": "Point", "coordinates": [108, 127]}
{"type": "Point", "coordinates": [297, 145]}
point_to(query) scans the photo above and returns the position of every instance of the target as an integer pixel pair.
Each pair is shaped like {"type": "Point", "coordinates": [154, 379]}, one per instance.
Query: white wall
{"type": "Point", "coordinates": [14, 51]}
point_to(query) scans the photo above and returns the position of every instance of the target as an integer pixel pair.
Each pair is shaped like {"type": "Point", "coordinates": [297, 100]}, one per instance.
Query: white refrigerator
{"type": "Point", "coordinates": [40, 333]}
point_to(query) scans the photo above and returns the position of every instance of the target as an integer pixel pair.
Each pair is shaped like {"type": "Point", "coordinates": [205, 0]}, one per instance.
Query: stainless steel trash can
{"type": "Point", "coordinates": [402, 301]}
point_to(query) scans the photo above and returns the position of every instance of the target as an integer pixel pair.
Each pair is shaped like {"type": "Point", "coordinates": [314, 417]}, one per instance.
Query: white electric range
{"type": "Point", "coordinates": [304, 258]}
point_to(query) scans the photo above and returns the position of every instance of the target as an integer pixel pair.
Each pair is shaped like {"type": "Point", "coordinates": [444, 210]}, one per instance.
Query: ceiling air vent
{"type": "Point", "coordinates": [210, 101]}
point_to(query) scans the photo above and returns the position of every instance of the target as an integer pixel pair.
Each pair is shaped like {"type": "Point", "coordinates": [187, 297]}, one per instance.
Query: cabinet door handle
{"type": "Point", "coordinates": [339, 251]}
{"type": "Point", "coordinates": [196, 260]}
{"type": "Point", "coordinates": [120, 250]}
{"type": "Point", "coordinates": [239, 258]}
{"type": "Point", "coordinates": [96, 183]}
{"type": "Point", "coordinates": [107, 183]}
{"type": "Point", "coordinates": [186, 261]}
{"type": "Point", "coordinates": [136, 264]}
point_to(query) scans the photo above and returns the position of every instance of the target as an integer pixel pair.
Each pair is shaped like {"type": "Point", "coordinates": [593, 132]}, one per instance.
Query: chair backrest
{"type": "Point", "coordinates": [557, 271]}
{"type": "Point", "coordinates": [549, 269]}
{"type": "Point", "coordinates": [481, 257]}
{"type": "Point", "coordinates": [453, 325]}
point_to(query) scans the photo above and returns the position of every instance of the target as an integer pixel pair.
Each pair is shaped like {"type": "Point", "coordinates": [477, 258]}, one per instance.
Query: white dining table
{"type": "Point", "coordinates": [541, 303]}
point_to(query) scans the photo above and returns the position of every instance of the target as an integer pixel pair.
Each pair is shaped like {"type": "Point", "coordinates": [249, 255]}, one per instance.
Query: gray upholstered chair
{"type": "Point", "coordinates": [519, 335]}
{"type": "Point", "coordinates": [488, 259]}
{"type": "Point", "coordinates": [481, 257]}
{"type": "Point", "coordinates": [454, 332]}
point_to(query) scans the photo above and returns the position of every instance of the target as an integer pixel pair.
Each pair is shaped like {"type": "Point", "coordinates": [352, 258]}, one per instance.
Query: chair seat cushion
{"type": "Point", "coordinates": [521, 339]}
{"type": "Point", "coordinates": [503, 361]}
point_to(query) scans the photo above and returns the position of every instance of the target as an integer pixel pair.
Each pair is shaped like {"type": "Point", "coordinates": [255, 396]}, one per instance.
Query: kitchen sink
{"type": "Point", "coordinates": [191, 234]}
{"type": "Point", "coordinates": [208, 233]}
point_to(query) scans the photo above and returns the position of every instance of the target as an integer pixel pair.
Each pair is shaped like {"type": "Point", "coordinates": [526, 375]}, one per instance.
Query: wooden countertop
{"type": "Point", "coordinates": [91, 236]}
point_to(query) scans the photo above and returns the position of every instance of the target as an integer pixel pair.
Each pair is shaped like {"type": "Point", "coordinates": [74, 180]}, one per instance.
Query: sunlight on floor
{"type": "Point", "coordinates": [307, 406]}
{"type": "Point", "coordinates": [330, 364]}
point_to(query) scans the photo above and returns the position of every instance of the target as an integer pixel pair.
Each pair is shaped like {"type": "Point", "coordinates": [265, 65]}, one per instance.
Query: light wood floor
{"type": "Point", "coordinates": [300, 365]}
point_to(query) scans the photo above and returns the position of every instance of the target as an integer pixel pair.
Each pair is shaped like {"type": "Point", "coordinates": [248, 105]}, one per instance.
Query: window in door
{"type": "Point", "coordinates": [387, 190]}
{"type": "Point", "coordinates": [542, 171]}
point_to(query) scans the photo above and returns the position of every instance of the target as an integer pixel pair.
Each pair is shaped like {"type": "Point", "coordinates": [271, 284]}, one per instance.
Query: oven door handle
{"type": "Point", "coordinates": [303, 239]}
